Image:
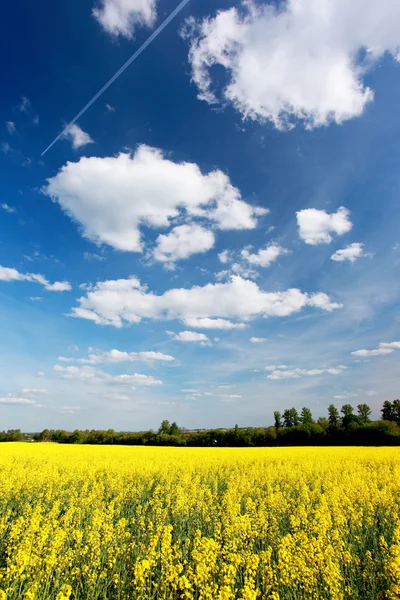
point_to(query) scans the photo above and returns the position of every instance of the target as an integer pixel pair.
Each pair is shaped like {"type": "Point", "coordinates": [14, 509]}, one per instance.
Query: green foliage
{"type": "Point", "coordinates": [291, 417]}
{"type": "Point", "coordinates": [334, 417]}
{"type": "Point", "coordinates": [364, 413]}
{"type": "Point", "coordinates": [306, 416]}
{"type": "Point", "coordinates": [278, 419]}
{"type": "Point", "coordinates": [290, 429]}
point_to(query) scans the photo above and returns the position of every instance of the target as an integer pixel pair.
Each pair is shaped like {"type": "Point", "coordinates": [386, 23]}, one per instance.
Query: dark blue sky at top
{"type": "Point", "coordinates": [56, 55]}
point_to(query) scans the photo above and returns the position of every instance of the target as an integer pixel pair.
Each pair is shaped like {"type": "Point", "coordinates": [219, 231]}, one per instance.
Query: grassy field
{"type": "Point", "coordinates": [88, 523]}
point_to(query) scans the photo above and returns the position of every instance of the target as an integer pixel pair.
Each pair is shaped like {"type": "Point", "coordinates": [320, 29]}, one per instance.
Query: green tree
{"type": "Point", "coordinates": [278, 419]}
{"type": "Point", "coordinates": [174, 429]}
{"type": "Point", "coordinates": [295, 416]}
{"type": "Point", "coordinates": [287, 418]}
{"type": "Point", "coordinates": [333, 415]}
{"type": "Point", "coordinates": [364, 413]}
{"type": "Point", "coordinates": [291, 417]}
{"type": "Point", "coordinates": [165, 427]}
{"type": "Point", "coordinates": [323, 422]}
{"type": "Point", "coordinates": [348, 414]}
{"type": "Point", "coordinates": [396, 411]}
{"type": "Point", "coordinates": [388, 411]}
{"type": "Point", "coordinates": [306, 416]}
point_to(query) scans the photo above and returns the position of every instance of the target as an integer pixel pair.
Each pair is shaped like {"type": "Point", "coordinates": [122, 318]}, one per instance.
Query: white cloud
{"type": "Point", "coordinates": [257, 340]}
{"type": "Point", "coordinates": [190, 336]}
{"type": "Point", "coordinates": [283, 373]}
{"type": "Point", "coordinates": [382, 349]}
{"type": "Point", "coordinates": [92, 375]}
{"type": "Point", "coordinates": [224, 256]}
{"type": "Point", "coordinates": [117, 397]}
{"type": "Point", "coordinates": [112, 197]}
{"type": "Point", "coordinates": [275, 367]}
{"type": "Point", "coordinates": [26, 107]}
{"type": "Point", "coordinates": [350, 253]}
{"type": "Point", "coordinates": [69, 410]}
{"type": "Point", "coordinates": [126, 300]}
{"type": "Point", "coordinates": [11, 127]}
{"type": "Point", "coordinates": [34, 391]}
{"type": "Point", "coordinates": [7, 274]}
{"type": "Point", "coordinates": [40, 374]}
{"type": "Point", "coordinates": [110, 108]}
{"type": "Point", "coordinates": [294, 61]}
{"type": "Point", "coordinates": [316, 226]}
{"type": "Point", "coordinates": [120, 17]}
{"type": "Point", "coordinates": [77, 137]}
{"type": "Point", "coordinates": [183, 241]}
{"type": "Point", "coordinates": [8, 208]}
{"type": "Point", "coordinates": [207, 323]}
{"type": "Point", "coordinates": [12, 401]}
{"type": "Point", "coordinates": [93, 256]}
{"type": "Point", "coordinates": [117, 356]}
{"type": "Point", "coordinates": [264, 257]}
{"type": "Point", "coordinates": [394, 345]}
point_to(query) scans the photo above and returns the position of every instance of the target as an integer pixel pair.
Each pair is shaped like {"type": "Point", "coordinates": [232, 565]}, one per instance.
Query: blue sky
{"type": "Point", "coordinates": [217, 237]}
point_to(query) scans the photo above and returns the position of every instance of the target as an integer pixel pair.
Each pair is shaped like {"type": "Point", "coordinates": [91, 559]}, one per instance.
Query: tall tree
{"type": "Point", "coordinates": [348, 414]}
{"type": "Point", "coordinates": [306, 416]}
{"type": "Point", "coordinates": [295, 416]}
{"type": "Point", "coordinates": [174, 429]}
{"type": "Point", "coordinates": [165, 427]}
{"type": "Point", "coordinates": [334, 416]}
{"type": "Point", "coordinates": [396, 411]}
{"type": "Point", "coordinates": [388, 411]}
{"type": "Point", "coordinates": [278, 419]}
{"type": "Point", "coordinates": [364, 413]}
{"type": "Point", "coordinates": [287, 418]}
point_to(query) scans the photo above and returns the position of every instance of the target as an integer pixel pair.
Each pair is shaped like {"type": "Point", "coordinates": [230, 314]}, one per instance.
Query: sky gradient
{"type": "Point", "coordinates": [217, 237]}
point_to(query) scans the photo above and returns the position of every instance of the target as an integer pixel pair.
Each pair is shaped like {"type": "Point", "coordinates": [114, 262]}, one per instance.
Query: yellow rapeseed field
{"type": "Point", "coordinates": [92, 522]}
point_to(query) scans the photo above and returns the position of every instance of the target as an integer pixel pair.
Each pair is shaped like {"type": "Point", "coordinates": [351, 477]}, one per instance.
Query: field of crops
{"type": "Point", "coordinates": [89, 523]}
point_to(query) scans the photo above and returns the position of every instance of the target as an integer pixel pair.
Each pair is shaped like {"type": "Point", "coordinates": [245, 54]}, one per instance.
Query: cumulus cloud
{"type": "Point", "coordinates": [275, 367]}
{"type": "Point", "coordinates": [257, 340]}
{"type": "Point", "coordinates": [7, 208]}
{"type": "Point", "coordinates": [224, 256]}
{"type": "Point", "coordinates": [282, 372]}
{"type": "Point", "coordinates": [294, 61]}
{"type": "Point", "coordinates": [183, 241]}
{"type": "Point", "coordinates": [316, 226]}
{"type": "Point", "coordinates": [126, 300]}
{"type": "Point", "coordinates": [190, 336]}
{"type": "Point", "coordinates": [92, 375]}
{"type": "Point", "coordinates": [12, 401]}
{"type": "Point", "coordinates": [118, 356]}
{"type": "Point", "coordinates": [350, 253]}
{"type": "Point", "coordinates": [77, 137]}
{"type": "Point", "coordinates": [264, 257]}
{"type": "Point", "coordinates": [382, 349]}
{"type": "Point", "coordinates": [34, 391]}
{"type": "Point", "coordinates": [8, 274]}
{"type": "Point", "coordinates": [112, 197]}
{"type": "Point", "coordinates": [207, 323]}
{"type": "Point", "coordinates": [120, 17]}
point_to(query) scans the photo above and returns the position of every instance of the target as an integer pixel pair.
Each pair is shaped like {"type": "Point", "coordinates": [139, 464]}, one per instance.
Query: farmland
{"type": "Point", "coordinates": [91, 523]}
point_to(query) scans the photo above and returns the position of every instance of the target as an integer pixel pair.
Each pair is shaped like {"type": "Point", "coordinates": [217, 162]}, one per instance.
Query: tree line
{"type": "Point", "coordinates": [339, 428]}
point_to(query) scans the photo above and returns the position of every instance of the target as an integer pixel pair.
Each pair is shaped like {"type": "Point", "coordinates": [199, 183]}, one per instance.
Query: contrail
{"type": "Point", "coordinates": [120, 71]}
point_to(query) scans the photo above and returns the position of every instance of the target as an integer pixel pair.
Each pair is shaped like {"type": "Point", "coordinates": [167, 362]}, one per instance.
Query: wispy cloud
{"type": "Point", "coordinates": [10, 125]}
{"type": "Point", "coordinates": [26, 107]}
{"type": "Point", "coordinates": [8, 208]}
{"type": "Point", "coordinates": [77, 137]}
